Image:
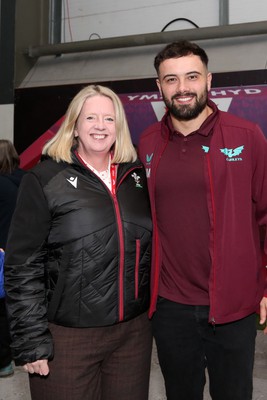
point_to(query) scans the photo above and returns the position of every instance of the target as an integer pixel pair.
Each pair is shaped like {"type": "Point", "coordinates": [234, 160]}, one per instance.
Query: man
{"type": "Point", "coordinates": [207, 175]}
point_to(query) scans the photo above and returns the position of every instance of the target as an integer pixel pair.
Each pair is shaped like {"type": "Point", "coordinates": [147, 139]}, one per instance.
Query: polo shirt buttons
{"type": "Point", "coordinates": [185, 140]}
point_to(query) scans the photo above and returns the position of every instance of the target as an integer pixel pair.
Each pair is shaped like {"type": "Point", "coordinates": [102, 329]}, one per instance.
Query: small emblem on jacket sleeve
{"type": "Point", "coordinates": [149, 158]}
{"type": "Point", "coordinates": [73, 181]}
{"type": "Point", "coordinates": [137, 180]}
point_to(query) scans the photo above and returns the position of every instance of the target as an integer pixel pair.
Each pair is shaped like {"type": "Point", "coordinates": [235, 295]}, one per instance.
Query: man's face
{"type": "Point", "coordinates": [184, 84]}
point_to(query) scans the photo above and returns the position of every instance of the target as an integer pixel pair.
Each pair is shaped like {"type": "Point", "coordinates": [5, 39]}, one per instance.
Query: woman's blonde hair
{"type": "Point", "coordinates": [59, 147]}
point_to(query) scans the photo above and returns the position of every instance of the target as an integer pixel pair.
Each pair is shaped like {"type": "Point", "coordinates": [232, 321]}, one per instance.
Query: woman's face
{"type": "Point", "coordinates": [96, 126]}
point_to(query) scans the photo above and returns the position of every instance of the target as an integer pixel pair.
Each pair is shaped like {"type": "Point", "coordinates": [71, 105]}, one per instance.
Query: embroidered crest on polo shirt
{"type": "Point", "coordinates": [205, 148]}
{"type": "Point", "coordinates": [137, 180]}
{"type": "Point", "coordinates": [73, 181]}
{"type": "Point", "coordinates": [231, 154]}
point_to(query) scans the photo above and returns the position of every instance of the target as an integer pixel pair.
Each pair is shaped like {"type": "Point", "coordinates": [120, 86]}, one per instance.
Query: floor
{"type": "Point", "coordinates": [17, 387]}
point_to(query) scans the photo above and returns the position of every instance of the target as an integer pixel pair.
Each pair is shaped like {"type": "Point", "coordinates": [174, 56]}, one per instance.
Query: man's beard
{"type": "Point", "coordinates": [186, 112]}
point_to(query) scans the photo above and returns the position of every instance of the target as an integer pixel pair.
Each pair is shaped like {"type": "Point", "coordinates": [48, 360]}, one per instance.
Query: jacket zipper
{"type": "Point", "coordinates": [121, 240]}
{"type": "Point", "coordinates": [154, 294]}
{"type": "Point", "coordinates": [212, 318]}
{"type": "Point", "coordinates": [121, 257]}
{"type": "Point", "coordinates": [121, 245]}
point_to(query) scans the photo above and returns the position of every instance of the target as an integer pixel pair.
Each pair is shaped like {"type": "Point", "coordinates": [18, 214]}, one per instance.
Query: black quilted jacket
{"type": "Point", "coordinates": [77, 255]}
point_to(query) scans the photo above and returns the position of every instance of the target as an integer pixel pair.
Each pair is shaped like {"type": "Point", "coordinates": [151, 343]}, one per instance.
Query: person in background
{"type": "Point", "coordinates": [10, 177]}
{"type": "Point", "coordinates": [207, 177]}
{"type": "Point", "coordinates": [78, 260]}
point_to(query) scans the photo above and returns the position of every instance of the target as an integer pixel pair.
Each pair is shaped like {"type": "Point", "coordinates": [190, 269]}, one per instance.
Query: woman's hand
{"type": "Point", "coordinates": [263, 313]}
{"type": "Point", "coordinates": [37, 367]}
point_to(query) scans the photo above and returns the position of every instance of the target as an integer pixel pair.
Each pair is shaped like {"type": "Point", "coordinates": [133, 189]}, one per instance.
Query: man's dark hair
{"type": "Point", "coordinates": [179, 49]}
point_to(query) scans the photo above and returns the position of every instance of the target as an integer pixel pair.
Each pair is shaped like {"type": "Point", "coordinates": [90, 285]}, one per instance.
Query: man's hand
{"type": "Point", "coordinates": [37, 367]}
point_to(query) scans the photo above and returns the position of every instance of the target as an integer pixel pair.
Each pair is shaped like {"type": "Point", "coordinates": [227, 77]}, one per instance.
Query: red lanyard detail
{"type": "Point", "coordinates": [113, 174]}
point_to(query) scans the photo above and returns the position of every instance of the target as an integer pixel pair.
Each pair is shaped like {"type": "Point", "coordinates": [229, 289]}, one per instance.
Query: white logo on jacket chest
{"type": "Point", "coordinates": [73, 181]}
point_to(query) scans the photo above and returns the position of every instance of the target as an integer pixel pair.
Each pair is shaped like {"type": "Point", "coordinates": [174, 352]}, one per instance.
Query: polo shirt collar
{"type": "Point", "coordinates": [205, 129]}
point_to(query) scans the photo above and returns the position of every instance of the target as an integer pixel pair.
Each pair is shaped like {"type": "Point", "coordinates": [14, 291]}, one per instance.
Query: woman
{"type": "Point", "coordinates": [10, 177]}
{"type": "Point", "coordinates": [78, 260]}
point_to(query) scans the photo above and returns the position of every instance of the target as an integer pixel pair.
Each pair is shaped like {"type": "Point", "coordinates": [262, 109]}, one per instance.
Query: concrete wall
{"type": "Point", "coordinates": [6, 118]}
{"type": "Point", "coordinates": [83, 19]}
{"type": "Point", "coordinates": [226, 55]}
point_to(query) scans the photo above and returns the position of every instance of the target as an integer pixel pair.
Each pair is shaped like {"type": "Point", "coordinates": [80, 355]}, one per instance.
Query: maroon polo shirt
{"type": "Point", "coordinates": [183, 218]}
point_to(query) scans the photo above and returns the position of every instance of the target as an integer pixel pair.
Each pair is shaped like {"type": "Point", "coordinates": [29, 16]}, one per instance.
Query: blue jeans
{"type": "Point", "coordinates": [187, 344]}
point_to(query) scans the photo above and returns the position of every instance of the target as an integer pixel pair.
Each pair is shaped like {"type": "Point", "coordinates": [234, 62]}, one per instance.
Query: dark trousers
{"type": "Point", "coordinates": [5, 351]}
{"type": "Point", "coordinates": [109, 363]}
{"type": "Point", "coordinates": [187, 344]}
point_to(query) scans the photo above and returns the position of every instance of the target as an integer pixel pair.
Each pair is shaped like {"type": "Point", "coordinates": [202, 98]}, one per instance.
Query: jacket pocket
{"type": "Point", "coordinates": [136, 270]}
